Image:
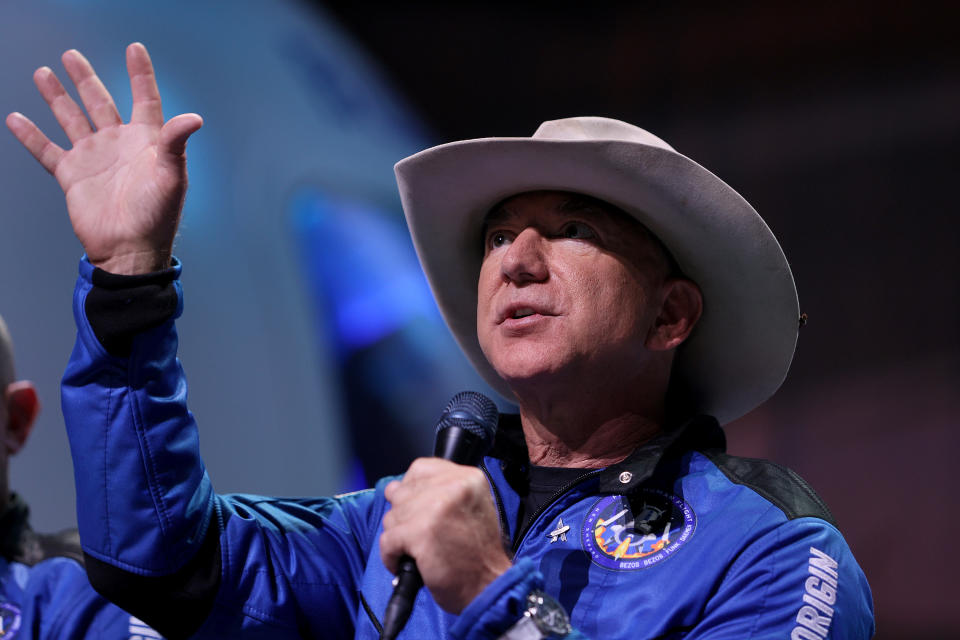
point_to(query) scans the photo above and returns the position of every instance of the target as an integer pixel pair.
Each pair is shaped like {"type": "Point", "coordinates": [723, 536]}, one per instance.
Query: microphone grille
{"type": "Point", "coordinates": [473, 412]}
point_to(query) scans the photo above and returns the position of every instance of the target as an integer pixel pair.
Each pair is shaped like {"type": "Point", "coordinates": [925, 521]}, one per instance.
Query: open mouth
{"type": "Point", "coordinates": [513, 314]}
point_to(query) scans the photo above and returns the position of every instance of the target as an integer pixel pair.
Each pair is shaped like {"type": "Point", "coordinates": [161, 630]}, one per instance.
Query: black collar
{"type": "Point", "coordinates": [698, 433]}
{"type": "Point", "coordinates": [20, 543]}
{"type": "Point", "coordinates": [14, 527]}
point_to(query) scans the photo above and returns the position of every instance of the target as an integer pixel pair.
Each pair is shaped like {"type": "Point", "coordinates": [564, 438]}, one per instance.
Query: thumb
{"type": "Point", "coordinates": [174, 133]}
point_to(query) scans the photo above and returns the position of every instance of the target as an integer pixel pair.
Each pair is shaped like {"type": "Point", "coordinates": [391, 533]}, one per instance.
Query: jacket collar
{"type": "Point", "coordinates": [698, 433]}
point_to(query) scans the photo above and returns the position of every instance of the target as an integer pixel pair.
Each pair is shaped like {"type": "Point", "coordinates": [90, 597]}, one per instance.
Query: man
{"type": "Point", "coordinates": [617, 291]}
{"type": "Point", "coordinates": [44, 592]}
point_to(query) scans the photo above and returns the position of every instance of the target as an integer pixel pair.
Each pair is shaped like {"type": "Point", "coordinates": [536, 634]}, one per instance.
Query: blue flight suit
{"type": "Point", "coordinates": [678, 540]}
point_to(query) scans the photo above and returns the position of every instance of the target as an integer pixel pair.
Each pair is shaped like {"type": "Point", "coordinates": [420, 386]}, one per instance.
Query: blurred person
{"type": "Point", "coordinates": [623, 296]}
{"type": "Point", "coordinates": [44, 592]}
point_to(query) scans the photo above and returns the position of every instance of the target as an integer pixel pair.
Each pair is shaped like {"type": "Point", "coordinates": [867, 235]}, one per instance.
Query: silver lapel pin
{"type": "Point", "coordinates": [560, 533]}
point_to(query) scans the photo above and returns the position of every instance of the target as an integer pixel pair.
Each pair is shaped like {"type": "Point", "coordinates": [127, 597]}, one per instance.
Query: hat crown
{"type": "Point", "coordinates": [597, 128]}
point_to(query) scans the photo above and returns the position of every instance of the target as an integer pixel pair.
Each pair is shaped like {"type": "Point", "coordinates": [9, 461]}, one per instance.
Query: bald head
{"type": "Point", "coordinates": [18, 410]}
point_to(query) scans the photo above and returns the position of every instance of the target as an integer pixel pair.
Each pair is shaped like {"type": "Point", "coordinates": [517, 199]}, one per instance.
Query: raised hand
{"type": "Point", "coordinates": [124, 183]}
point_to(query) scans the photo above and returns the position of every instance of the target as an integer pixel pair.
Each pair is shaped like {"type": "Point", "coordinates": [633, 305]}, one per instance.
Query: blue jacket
{"type": "Point", "coordinates": [44, 591]}
{"type": "Point", "coordinates": [679, 540]}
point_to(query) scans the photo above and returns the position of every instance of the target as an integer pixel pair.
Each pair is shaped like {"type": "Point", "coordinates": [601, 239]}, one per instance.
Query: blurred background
{"type": "Point", "coordinates": [315, 355]}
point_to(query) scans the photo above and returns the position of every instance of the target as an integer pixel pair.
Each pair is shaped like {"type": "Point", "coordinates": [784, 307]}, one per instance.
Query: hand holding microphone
{"type": "Point", "coordinates": [442, 515]}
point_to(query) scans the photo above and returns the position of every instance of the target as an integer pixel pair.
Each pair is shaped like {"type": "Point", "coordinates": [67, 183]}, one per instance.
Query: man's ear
{"type": "Point", "coordinates": [681, 308]}
{"type": "Point", "coordinates": [23, 405]}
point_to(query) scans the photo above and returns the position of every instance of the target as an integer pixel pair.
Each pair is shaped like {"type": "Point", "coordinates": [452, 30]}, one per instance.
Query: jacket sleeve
{"type": "Point", "coordinates": [157, 539]}
{"type": "Point", "coordinates": [501, 605]}
{"type": "Point", "coordinates": [798, 580]}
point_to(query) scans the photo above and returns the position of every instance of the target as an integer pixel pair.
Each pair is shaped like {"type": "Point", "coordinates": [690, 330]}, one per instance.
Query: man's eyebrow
{"type": "Point", "coordinates": [498, 213]}
{"type": "Point", "coordinates": [585, 205]}
{"type": "Point", "coordinates": [573, 204]}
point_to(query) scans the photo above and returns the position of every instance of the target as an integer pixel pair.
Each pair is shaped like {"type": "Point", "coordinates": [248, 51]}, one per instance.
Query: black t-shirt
{"type": "Point", "coordinates": [543, 483]}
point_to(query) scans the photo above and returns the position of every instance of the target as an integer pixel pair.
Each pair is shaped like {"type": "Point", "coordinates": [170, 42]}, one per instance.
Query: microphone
{"type": "Point", "coordinates": [464, 433]}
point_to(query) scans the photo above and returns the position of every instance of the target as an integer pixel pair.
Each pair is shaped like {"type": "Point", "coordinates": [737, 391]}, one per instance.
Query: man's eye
{"type": "Point", "coordinates": [498, 239]}
{"type": "Point", "coordinates": [577, 231]}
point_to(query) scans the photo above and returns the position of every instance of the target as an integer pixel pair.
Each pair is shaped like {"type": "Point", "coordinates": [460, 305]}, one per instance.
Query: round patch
{"type": "Point", "coordinates": [9, 620]}
{"type": "Point", "coordinates": [637, 533]}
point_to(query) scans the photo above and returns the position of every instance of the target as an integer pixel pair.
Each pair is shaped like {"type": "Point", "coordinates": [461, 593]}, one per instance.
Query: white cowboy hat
{"type": "Point", "coordinates": [739, 353]}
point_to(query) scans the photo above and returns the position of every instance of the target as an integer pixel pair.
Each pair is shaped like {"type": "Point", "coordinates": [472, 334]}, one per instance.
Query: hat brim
{"type": "Point", "coordinates": [742, 347]}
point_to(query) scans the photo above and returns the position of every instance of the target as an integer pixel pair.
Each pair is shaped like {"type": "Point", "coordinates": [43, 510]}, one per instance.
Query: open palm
{"type": "Point", "coordinates": [124, 183]}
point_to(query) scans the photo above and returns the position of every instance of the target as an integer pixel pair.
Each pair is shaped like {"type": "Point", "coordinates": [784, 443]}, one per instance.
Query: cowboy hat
{"type": "Point", "coordinates": [740, 351]}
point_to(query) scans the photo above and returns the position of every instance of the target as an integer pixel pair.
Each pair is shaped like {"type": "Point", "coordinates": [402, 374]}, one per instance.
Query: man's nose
{"type": "Point", "coordinates": [524, 260]}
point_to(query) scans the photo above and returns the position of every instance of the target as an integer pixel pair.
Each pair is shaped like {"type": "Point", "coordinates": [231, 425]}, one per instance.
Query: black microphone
{"type": "Point", "coordinates": [464, 433]}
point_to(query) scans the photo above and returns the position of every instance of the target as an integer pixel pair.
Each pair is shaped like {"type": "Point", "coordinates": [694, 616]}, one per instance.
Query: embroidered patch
{"type": "Point", "coordinates": [638, 533]}
{"type": "Point", "coordinates": [9, 620]}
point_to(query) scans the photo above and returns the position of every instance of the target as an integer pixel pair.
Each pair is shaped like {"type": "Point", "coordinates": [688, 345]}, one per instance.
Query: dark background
{"type": "Point", "coordinates": [840, 123]}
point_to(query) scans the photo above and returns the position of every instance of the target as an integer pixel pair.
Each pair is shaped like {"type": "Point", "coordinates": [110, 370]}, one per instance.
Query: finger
{"type": "Point", "coordinates": [67, 112]}
{"type": "Point", "coordinates": [391, 550]}
{"type": "Point", "coordinates": [424, 467]}
{"type": "Point", "coordinates": [389, 519]}
{"type": "Point", "coordinates": [97, 100]}
{"type": "Point", "coordinates": [390, 491]}
{"type": "Point", "coordinates": [173, 136]}
{"type": "Point", "coordinates": [400, 516]}
{"type": "Point", "coordinates": [404, 498]}
{"type": "Point", "coordinates": [407, 506]}
{"type": "Point", "coordinates": [47, 153]}
{"type": "Point", "coordinates": [147, 108]}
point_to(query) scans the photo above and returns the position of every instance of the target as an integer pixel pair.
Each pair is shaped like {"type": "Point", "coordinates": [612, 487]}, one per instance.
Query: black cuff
{"type": "Point", "coordinates": [176, 605]}
{"type": "Point", "coordinates": [120, 307]}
